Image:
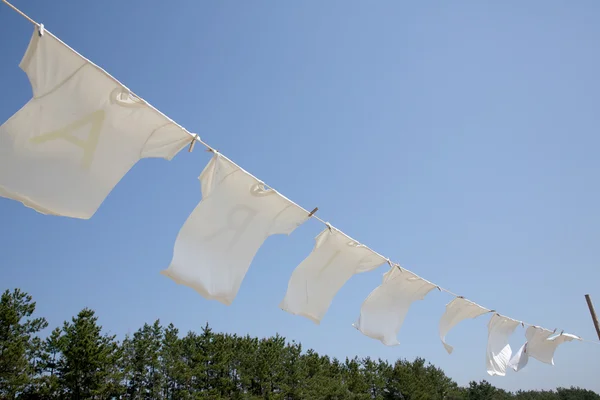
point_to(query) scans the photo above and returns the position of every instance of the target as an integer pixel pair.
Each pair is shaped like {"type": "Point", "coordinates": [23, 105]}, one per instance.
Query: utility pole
{"type": "Point", "coordinates": [593, 312]}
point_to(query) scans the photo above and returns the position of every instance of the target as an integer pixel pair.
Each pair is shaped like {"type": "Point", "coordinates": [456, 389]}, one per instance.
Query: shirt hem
{"type": "Point", "coordinates": [311, 317]}
{"type": "Point", "coordinates": [197, 288]}
{"type": "Point", "coordinates": [27, 202]}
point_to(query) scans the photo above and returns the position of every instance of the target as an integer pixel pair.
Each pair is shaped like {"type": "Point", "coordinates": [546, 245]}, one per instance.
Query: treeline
{"type": "Point", "coordinates": [79, 361]}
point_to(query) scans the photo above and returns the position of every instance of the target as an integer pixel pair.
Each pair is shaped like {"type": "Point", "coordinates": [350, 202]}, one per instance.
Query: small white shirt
{"type": "Point", "coordinates": [66, 149]}
{"type": "Point", "coordinates": [383, 311]}
{"type": "Point", "coordinates": [541, 344]}
{"type": "Point", "coordinates": [315, 282]}
{"type": "Point", "coordinates": [458, 310]}
{"type": "Point", "coordinates": [218, 241]}
{"type": "Point", "coordinates": [498, 350]}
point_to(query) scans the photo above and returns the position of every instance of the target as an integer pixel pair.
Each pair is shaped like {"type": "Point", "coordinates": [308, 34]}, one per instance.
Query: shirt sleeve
{"type": "Point", "coordinates": [369, 261]}
{"type": "Point", "coordinates": [165, 142]}
{"type": "Point", "coordinates": [217, 169]}
{"type": "Point", "coordinates": [48, 63]}
{"type": "Point", "coordinates": [290, 217]}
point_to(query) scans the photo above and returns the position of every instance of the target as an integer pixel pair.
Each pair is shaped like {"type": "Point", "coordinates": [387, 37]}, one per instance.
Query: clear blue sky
{"type": "Point", "coordinates": [460, 139]}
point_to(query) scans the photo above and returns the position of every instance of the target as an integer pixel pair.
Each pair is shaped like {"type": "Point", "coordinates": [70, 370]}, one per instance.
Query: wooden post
{"type": "Point", "coordinates": [593, 312]}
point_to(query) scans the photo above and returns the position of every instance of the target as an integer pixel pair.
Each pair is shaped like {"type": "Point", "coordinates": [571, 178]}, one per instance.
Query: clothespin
{"type": "Point", "coordinates": [554, 331]}
{"type": "Point", "coordinates": [561, 332]}
{"type": "Point", "coordinates": [310, 214]}
{"type": "Point", "coordinates": [193, 142]}
{"type": "Point", "coordinates": [41, 30]}
{"type": "Point", "coordinates": [522, 324]}
{"type": "Point", "coordinates": [458, 297]}
{"type": "Point", "coordinates": [392, 265]}
{"type": "Point", "coordinates": [438, 288]}
{"type": "Point", "coordinates": [328, 225]}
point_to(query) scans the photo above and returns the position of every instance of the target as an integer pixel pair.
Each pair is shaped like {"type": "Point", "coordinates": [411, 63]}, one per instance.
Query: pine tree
{"type": "Point", "coordinates": [142, 362]}
{"type": "Point", "coordinates": [17, 344]}
{"type": "Point", "coordinates": [171, 364]}
{"type": "Point", "coordinates": [48, 385]}
{"type": "Point", "coordinates": [87, 367]}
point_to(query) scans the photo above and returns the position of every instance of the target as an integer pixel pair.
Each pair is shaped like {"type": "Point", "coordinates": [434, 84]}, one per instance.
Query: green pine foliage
{"type": "Point", "coordinates": [78, 361]}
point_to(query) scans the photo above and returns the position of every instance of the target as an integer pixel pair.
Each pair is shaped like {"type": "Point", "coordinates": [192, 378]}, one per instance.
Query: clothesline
{"type": "Point", "coordinates": [196, 138]}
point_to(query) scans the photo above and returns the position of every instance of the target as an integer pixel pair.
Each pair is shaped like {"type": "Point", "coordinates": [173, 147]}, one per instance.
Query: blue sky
{"type": "Point", "coordinates": [459, 139]}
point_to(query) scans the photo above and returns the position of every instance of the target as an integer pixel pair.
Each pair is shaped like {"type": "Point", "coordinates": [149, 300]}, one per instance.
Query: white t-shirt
{"type": "Point", "coordinates": [458, 310]}
{"type": "Point", "coordinates": [67, 148]}
{"type": "Point", "coordinates": [541, 344]}
{"type": "Point", "coordinates": [315, 282]}
{"type": "Point", "coordinates": [498, 350]}
{"type": "Point", "coordinates": [383, 311]}
{"type": "Point", "coordinates": [218, 241]}
{"type": "Point", "coordinates": [520, 359]}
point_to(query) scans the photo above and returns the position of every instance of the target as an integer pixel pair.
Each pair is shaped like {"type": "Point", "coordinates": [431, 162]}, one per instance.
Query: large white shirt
{"type": "Point", "coordinates": [66, 149]}
{"type": "Point", "coordinates": [458, 310]}
{"type": "Point", "coordinates": [218, 241]}
{"type": "Point", "coordinates": [498, 350]}
{"type": "Point", "coordinates": [384, 310]}
{"type": "Point", "coordinates": [541, 345]}
{"type": "Point", "coordinates": [315, 282]}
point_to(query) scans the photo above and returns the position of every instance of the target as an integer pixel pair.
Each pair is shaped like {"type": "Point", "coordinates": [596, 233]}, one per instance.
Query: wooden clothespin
{"type": "Point", "coordinates": [310, 214]}
{"type": "Point", "coordinates": [193, 143]}
{"type": "Point", "coordinates": [392, 265]}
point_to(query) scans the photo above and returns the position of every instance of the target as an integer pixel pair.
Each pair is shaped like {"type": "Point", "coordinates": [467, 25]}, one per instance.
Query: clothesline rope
{"type": "Point", "coordinates": [196, 138]}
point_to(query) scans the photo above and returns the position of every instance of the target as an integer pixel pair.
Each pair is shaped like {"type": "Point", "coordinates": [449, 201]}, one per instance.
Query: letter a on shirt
{"type": "Point", "coordinates": [315, 282]}
{"type": "Point", "coordinates": [384, 310]}
{"type": "Point", "coordinates": [218, 241]}
{"type": "Point", "coordinates": [68, 147]}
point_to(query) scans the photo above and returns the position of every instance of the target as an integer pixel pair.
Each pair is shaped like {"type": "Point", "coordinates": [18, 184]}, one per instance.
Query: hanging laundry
{"type": "Point", "coordinates": [541, 345]}
{"type": "Point", "coordinates": [67, 148]}
{"type": "Point", "coordinates": [315, 282]}
{"type": "Point", "coordinates": [458, 310]}
{"type": "Point", "coordinates": [384, 310]}
{"type": "Point", "coordinates": [498, 350]}
{"type": "Point", "coordinates": [218, 241]}
{"type": "Point", "coordinates": [520, 359]}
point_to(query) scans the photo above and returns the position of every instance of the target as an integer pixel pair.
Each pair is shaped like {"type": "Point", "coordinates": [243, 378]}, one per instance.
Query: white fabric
{"type": "Point", "coordinates": [520, 359]}
{"type": "Point", "coordinates": [218, 241]}
{"type": "Point", "coordinates": [458, 310]}
{"type": "Point", "coordinates": [67, 148]}
{"type": "Point", "coordinates": [498, 350]}
{"type": "Point", "coordinates": [383, 311]}
{"type": "Point", "coordinates": [315, 282]}
{"type": "Point", "coordinates": [541, 345]}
